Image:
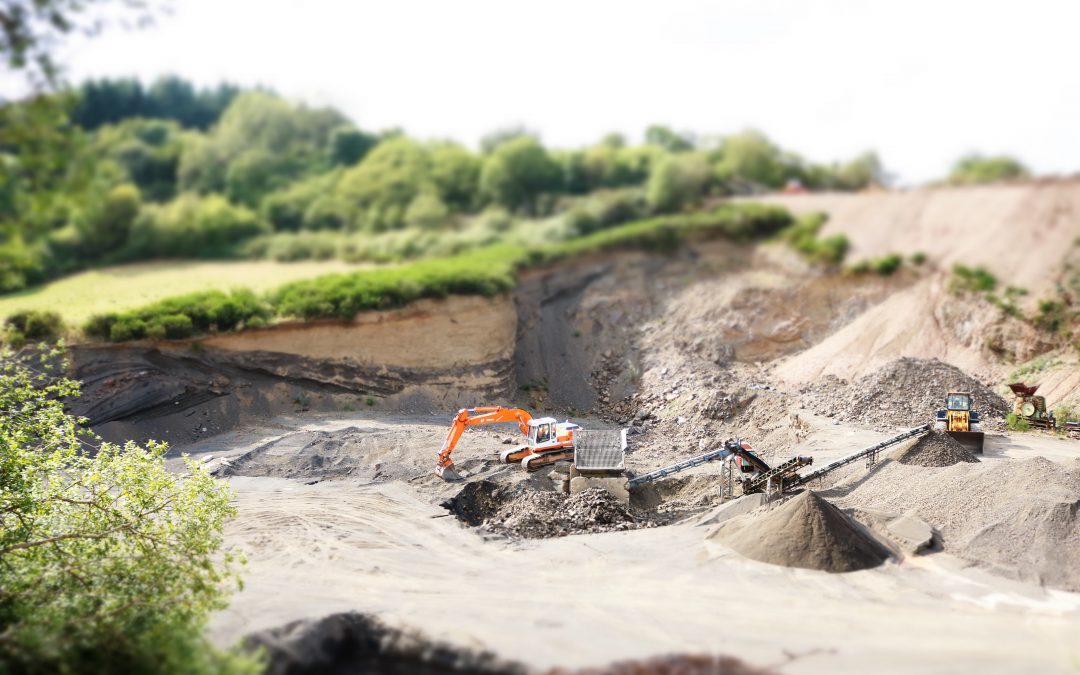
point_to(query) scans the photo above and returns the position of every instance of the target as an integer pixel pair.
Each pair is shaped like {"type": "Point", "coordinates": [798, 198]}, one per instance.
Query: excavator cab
{"type": "Point", "coordinates": [541, 431]}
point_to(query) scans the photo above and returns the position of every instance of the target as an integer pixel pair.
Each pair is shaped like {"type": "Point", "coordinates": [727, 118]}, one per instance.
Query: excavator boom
{"type": "Point", "coordinates": [467, 417]}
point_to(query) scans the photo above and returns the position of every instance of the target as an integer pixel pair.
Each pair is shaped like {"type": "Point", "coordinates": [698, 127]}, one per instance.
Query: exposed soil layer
{"type": "Point", "coordinates": [905, 392]}
{"type": "Point", "coordinates": [805, 531]}
{"type": "Point", "coordinates": [351, 643]}
{"type": "Point", "coordinates": [522, 511]}
{"type": "Point", "coordinates": [1016, 518]}
{"type": "Point", "coordinates": [936, 449]}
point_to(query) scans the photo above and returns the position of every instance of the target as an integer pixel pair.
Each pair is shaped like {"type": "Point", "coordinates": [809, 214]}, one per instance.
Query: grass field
{"type": "Point", "coordinates": [112, 289]}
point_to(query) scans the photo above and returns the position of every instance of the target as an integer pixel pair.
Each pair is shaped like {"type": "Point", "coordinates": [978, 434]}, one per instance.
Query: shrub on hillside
{"type": "Point", "coordinates": [802, 235]}
{"type": "Point", "coordinates": [192, 226]}
{"type": "Point", "coordinates": [972, 279]}
{"type": "Point", "coordinates": [181, 317]}
{"type": "Point", "coordinates": [33, 326]}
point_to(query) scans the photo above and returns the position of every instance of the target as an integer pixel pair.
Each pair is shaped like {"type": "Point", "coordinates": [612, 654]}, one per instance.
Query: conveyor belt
{"type": "Point", "coordinates": [844, 461]}
{"type": "Point", "coordinates": [731, 447]}
{"type": "Point", "coordinates": [779, 475]}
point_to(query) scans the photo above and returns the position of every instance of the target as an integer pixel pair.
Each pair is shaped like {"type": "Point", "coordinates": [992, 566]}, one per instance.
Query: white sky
{"type": "Point", "coordinates": [920, 81]}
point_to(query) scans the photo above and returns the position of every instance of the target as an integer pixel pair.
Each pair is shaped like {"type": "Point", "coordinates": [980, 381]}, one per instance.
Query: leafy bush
{"type": "Point", "coordinates": [517, 172]}
{"type": "Point", "coordinates": [972, 280]}
{"type": "Point", "coordinates": [1016, 423]}
{"type": "Point", "coordinates": [978, 169]}
{"type": "Point", "coordinates": [677, 181]}
{"type": "Point", "coordinates": [918, 258]}
{"type": "Point", "coordinates": [884, 266]}
{"type": "Point", "coordinates": [802, 235]}
{"type": "Point", "coordinates": [192, 226]}
{"type": "Point", "coordinates": [342, 296]}
{"type": "Point", "coordinates": [34, 326]}
{"type": "Point", "coordinates": [293, 246]}
{"type": "Point", "coordinates": [180, 317]}
{"type": "Point", "coordinates": [112, 563]}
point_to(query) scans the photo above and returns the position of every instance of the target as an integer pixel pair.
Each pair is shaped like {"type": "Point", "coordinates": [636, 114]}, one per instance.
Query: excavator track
{"type": "Point", "coordinates": [514, 455]}
{"type": "Point", "coordinates": [537, 461]}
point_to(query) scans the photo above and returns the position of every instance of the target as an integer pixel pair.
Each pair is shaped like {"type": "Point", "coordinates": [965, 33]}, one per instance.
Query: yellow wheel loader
{"type": "Point", "coordinates": [961, 421]}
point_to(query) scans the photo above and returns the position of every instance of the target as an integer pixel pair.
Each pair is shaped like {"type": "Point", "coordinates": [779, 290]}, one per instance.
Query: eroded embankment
{"type": "Point", "coordinates": [430, 355]}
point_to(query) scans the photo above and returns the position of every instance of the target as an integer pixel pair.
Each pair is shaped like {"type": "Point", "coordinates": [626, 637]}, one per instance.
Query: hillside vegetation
{"type": "Point", "coordinates": [118, 172]}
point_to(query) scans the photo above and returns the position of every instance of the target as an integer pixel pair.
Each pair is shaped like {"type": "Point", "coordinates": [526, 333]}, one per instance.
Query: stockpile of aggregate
{"type": "Point", "coordinates": [904, 393]}
{"type": "Point", "coordinates": [539, 514]}
{"type": "Point", "coordinates": [936, 449]}
{"type": "Point", "coordinates": [805, 531]}
{"type": "Point", "coordinates": [1018, 518]}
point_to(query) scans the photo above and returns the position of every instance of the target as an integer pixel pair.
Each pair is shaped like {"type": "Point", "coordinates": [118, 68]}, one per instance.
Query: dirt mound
{"type": "Point", "coordinates": [672, 665]}
{"type": "Point", "coordinates": [905, 392]}
{"type": "Point", "coordinates": [1017, 518]}
{"type": "Point", "coordinates": [805, 531]}
{"type": "Point", "coordinates": [357, 643]}
{"type": "Point", "coordinates": [521, 511]}
{"type": "Point", "coordinates": [936, 449]}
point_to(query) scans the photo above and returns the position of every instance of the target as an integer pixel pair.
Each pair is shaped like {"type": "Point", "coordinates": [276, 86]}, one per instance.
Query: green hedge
{"type": "Point", "coordinates": [182, 316]}
{"type": "Point", "coordinates": [486, 271]}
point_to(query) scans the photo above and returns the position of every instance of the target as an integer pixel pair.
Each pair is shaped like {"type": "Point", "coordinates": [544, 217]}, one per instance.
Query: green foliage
{"type": "Point", "coordinates": [181, 316]}
{"type": "Point", "coordinates": [517, 172]}
{"type": "Point", "coordinates": [751, 156]}
{"type": "Point", "coordinates": [348, 145]}
{"type": "Point", "coordinates": [663, 137]}
{"type": "Point", "coordinates": [147, 151]}
{"type": "Point", "coordinates": [33, 326]}
{"type": "Point", "coordinates": [977, 169]}
{"type": "Point", "coordinates": [109, 101]}
{"type": "Point", "coordinates": [342, 296]}
{"type": "Point", "coordinates": [455, 173]}
{"type": "Point", "coordinates": [426, 211]}
{"type": "Point", "coordinates": [1066, 413]}
{"type": "Point", "coordinates": [885, 266]}
{"type": "Point", "coordinates": [972, 280]}
{"type": "Point", "coordinates": [1016, 422]}
{"type": "Point", "coordinates": [802, 235]}
{"type": "Point", "coordinates": [192, 226]}
{"type": "Point", "coordinates": [1053, 315]}
{"type": "Point", "coordinates": [678, 181]}
{"type": "Point", "coordinates": [918, 258]}
{"type": "Point", "coordinates": [382, 186]}
{"type": "Point", "coordinates": [111, 562]}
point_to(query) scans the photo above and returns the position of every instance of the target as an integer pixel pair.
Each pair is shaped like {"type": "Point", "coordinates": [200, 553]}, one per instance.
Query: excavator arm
{"type": "Point", "coordinates": [467, 417]}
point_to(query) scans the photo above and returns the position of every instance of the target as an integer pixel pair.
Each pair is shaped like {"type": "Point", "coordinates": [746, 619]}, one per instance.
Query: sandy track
{"type": "Point", "coordinates": [587, 599]}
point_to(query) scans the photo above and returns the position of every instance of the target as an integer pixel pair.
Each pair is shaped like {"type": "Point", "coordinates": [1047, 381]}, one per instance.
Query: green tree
{"type": "Point", "coordinates": [518, 172]}
{"type": "Point", "coordinates": [678, 180]}
{"type": "Point", "coordinates": [31, 29]}
{"type": "Point", "coordinates": [976, 169]}
{"type": "Point", "coordinates": [108, 226]}
{"type": "Point", "coordinates": [663, 137]}
{"type": "Point", "coordinates": [348, 145]}
{"type": "Point", "coordinates": [490, 142]}
{"type": "Point", "coordinates": [111, 563]}
{"type": "Point", "coordinates": [751, 156]}
{"type": "Point", "coordinates": [427, 211]}
{"type": "Point", "coordinates": [456, 174]}
{"type": "Point", "coordinates": [384, 184]}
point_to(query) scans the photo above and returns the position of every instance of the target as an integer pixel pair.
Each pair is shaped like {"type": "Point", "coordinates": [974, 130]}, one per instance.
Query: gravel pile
{"type": "Point", "coordinates": [906, 392]}
{"type": "Point", "coordinates": [538, 515]}
{"type": "Point", "coordinates": [805, 531]}
{"type": "Point", "coordinates": [936, 449]}
{"type": "Point", "coordinates": [1017, 518]}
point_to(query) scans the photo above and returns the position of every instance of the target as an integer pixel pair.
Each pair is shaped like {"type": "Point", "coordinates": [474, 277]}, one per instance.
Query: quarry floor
{"type": "Point", "coordinates": [379, 542]}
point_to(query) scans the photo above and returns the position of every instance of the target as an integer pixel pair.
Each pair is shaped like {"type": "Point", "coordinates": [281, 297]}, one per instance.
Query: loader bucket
{"type": "Point", "coordinates": [448, 472]}
{"type": "Point", "coordinates": [972, 440]}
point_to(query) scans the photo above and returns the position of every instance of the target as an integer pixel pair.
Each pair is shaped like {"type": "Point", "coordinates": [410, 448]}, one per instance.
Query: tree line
{"type": "Point", "coordinates": [116, 171]}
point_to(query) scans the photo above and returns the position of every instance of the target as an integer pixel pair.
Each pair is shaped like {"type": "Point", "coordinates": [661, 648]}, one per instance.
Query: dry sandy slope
{"type": "Point", "coordinates": [1019, 232]}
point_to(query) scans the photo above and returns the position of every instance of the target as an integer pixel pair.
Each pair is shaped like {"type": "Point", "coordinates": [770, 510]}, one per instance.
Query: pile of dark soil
{"type": "Point", "coordinates": [936, 449]}
{"type": "Point", "coordinates": [673, 665]}
{"type": "Point", "coordinates": [357, 643]}
{"type": "Point", "coordinates": [906, 392]}
{"type": "Point", "coordinates": [805, 531]}
{"type": "Point", "coordinates": [521, 511]}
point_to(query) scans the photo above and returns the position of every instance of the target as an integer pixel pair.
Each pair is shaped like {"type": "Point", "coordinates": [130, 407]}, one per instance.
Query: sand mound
{"type": "Point", "coordinates": [905, 392]}
{"type": "Point", "coordinates": [936, 449]}
{"type": "Point", "coordinates": [1017, 518]}
{"type": "Point", "coordinates": [538, 514]}
{"type": "Point", "coordinates": [806, 531]}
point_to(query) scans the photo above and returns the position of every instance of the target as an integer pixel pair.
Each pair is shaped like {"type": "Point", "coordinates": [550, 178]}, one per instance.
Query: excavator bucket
{"type": "Point", "coordinates": [448, 472]}
{"type": "Point", "coordinates": [972, 440]}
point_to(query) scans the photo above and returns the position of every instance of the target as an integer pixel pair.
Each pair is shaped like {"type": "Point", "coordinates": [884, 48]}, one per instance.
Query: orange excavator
{"type": "Point", "coordinates": [548, 441]}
